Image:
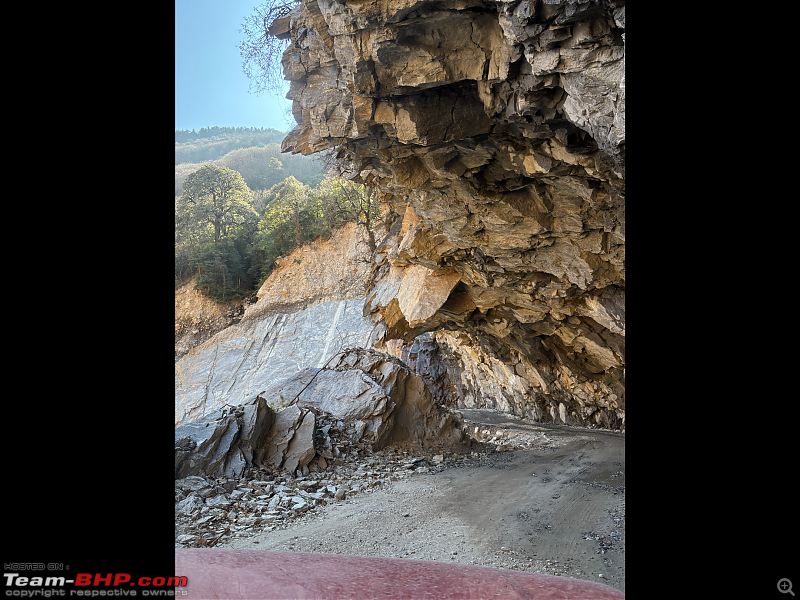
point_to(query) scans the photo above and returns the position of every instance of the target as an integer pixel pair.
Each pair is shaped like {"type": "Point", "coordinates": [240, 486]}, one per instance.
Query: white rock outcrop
{"type": "Point", "coordinates": [309, 308]}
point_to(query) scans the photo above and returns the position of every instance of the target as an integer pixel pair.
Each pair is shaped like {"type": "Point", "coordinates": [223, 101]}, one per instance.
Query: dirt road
{"type": "Point", "coordinates": [555, 506]}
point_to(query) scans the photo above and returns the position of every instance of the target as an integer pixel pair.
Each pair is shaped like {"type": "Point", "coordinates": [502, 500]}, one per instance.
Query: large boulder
{"type": "Point", "coordinates": [376, 397]}
{"type": "Point", "coordinates": [208, 447]}
{"type": "Point", "coordinates": [382, 401]}
{"type": "Point", "coordinates": [250, 435]}
{"type": "Point", "coordinates": [223, 444]}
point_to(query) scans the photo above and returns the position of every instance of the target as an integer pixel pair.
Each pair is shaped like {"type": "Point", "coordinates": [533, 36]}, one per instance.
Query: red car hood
{"type": "Point", "coordinates": [221, 573]}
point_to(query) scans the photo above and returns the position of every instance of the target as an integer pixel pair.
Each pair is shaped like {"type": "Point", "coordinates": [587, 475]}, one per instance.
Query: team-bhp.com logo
{"type": "Point", "coordinates": [93, 580]}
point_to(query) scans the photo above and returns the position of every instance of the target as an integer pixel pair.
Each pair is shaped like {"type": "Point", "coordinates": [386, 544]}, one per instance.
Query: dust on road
{"type": "Point", "coordinates": [555, 506]}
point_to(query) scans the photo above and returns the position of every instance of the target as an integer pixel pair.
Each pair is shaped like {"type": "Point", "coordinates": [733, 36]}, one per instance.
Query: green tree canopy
{"type": "Point", "coordinates": [215, 196]}
{"type": "Point", "coordinates": [281, 217]}
{"type": "Point", "coordinates": [343, 200]}
{"type": "Point", "coordinates": [259, 167]}
{"type": "Point", "coordinates": [229, 238]}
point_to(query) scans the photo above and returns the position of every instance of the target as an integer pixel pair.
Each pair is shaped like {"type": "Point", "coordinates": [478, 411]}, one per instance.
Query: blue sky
{"type": "Point", "coordinates": [210, 87]}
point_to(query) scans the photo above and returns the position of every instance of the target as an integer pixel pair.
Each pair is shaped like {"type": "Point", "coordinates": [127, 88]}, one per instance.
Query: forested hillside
{"type": "Point", "coordinates": [214, 142]}
{"type": "Point", "coordinates": [260, 166]}
{"type": "Point", "coordinates": [244, 149]}
{"type": "Point", "coordinates": [239, 207]}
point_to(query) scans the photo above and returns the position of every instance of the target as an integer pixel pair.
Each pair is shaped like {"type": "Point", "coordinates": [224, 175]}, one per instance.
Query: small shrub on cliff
{"type": "Point", "coordinates": [343, 201]}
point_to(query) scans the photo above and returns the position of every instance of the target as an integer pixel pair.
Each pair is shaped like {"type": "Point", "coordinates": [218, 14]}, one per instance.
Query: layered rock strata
{"type": "Point", "coordinates": [374, 398]}
{"type": "Point", "coordinates": [250, 435]}
{"type": "Point", "coordinates": [496, 132]}
{"type": "Point", "coordinates": [323, 271]}
{"type": "Point", "coordinates": [534, 386]}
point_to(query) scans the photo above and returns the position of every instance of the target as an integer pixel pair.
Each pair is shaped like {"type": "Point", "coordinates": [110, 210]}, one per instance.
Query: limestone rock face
{"type": "Point", "coordinates": [301, 449]}
{"type": "Point", "coordinates": [495, 130]}
{"type": "Point", "coordinates": [244, 360]}
{"type": "Point", "coordinates": [290, 442]}
{"type": "Point", "coordinates": [380, 399]}
{"type": "Point", "coordinates": [222, 444]}
{"type": "Point", "coordinates": [436, 364]}
{"type": "Point", "coordinates": [251, 434]}
{"type": "Point", "coordinates": [308, 310]}
{"type": "Point", "coordinates": [536, 387]}
{"type": "Point", "coordinates": [323, 271]}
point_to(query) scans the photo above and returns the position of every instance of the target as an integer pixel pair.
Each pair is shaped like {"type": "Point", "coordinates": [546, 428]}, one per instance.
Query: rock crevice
{"type": "Point", "coordinates": [496, 132]}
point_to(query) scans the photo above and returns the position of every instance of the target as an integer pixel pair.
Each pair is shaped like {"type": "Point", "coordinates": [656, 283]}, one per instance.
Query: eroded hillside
{"type": "Point", "coordinates": [308, 309]}
{"type": "Point", "coordinates": [198, 318]}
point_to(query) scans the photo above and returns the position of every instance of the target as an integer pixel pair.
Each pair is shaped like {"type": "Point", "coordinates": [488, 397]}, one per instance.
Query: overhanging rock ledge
{"type": "Point", "coordinates": [495, 132]}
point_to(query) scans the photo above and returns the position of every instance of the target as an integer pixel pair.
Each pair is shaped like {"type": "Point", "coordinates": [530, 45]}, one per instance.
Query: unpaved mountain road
{"type": "Point", "coordinates": [555, 508]}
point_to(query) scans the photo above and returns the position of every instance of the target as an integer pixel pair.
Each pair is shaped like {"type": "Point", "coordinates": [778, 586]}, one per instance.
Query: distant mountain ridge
{"type": "Point", "coordinates": [247, 150]}
{"type": "Point", "coordinates": [184, 135]}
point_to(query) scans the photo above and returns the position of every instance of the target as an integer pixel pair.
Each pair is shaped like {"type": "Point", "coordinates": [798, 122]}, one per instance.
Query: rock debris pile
{"type": "Point", "coordinates": [210, 510]}
{"type": "Point", "coordinates": [362, 421]}
{"type": "Point", "coordinates": [374, 398]}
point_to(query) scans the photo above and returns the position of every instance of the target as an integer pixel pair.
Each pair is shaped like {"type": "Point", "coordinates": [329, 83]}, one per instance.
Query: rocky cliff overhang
{"type": "Point", "coordinates": [496, 132]}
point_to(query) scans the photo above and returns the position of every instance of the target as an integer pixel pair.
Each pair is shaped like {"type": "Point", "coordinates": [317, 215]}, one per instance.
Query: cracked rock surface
{"type": "Point", "coordinates": [242, 361]}
{"type": "Point", "coordinates": [371, 396]}
{"type": "Point", "coordinates": [495, 132]}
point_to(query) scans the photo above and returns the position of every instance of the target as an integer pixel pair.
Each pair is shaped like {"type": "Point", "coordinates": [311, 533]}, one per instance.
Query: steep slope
{"type": "Point", "coordinates": [198, 318]}
{"type": "Point", "coordinates": [327, 270]}
{"type": "Point", "coordinates": [496, 131]}
{"type": "Point", "coordinates": [309, 309]}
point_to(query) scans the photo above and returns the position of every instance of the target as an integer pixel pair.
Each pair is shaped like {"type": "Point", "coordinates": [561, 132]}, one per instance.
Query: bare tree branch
{"type": "Point", "coordinates": [261, 52]}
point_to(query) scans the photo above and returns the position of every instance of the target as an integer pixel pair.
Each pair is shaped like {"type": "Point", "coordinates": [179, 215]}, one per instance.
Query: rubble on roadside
{"type": "Point", "coordinates": [372, 396]}
{"type": "Point", "coordinates": [357, 425]}
{"type": "Point", "coordinates": [211, 510]}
